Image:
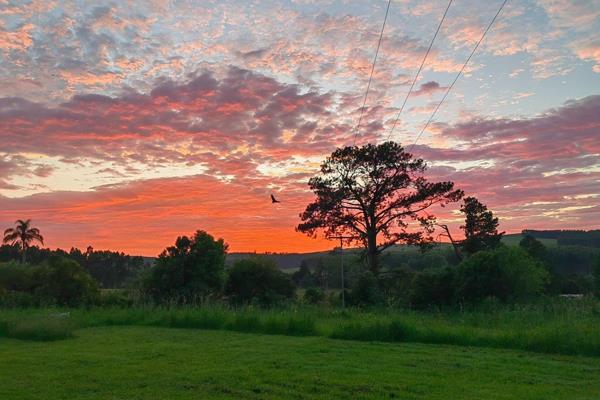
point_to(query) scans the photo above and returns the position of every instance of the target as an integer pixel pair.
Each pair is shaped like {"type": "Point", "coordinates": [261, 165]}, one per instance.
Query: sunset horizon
{"type": "Point", "coordinates": [125, 127]}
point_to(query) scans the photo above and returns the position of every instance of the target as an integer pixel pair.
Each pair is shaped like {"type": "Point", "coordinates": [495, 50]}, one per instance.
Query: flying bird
{"type": "Point", "coordinates": [274, 200]}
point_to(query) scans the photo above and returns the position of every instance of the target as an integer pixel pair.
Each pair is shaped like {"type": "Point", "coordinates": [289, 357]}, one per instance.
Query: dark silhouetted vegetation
{"type": "Point", "coordinates": [481, 227]}
{"type": "Point", "coordinates": [314, 295]}
{"type": "Point", "coordinates": [258, 280]}
{"type": "Point", "coordinates": [58, 281]}
{"type": "Point", "coordinates": [193, 269]}
{"type": "Point", "coordinates": [433, 288]}
{"type": "Point", "coordinates": [373, 193]}
{"type": "Point", "coordinates": [505, 273]}
{"type": "Point", "coordinates": [568, 237]}
{"type": "Point", "coordinates": [365, 291]}
{"type": "Point", "coordinates": [23, 235]}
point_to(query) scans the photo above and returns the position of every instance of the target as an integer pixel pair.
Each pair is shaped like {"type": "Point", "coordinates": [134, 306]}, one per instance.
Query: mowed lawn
{"type": "Point", "coordinates": [165, 363]}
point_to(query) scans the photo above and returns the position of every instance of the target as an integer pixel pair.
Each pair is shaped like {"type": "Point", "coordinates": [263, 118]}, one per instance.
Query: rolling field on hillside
{"type": "Point", "coordinates": [145, 362]}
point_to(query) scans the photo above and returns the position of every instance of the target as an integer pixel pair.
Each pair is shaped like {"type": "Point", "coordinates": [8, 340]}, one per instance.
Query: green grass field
{"type": "Point", "coordinates": [513, 239]}
{"type": "Point", "coordinates": [558, 326]}
{"type": "Point", "coordinates": [164, 363]}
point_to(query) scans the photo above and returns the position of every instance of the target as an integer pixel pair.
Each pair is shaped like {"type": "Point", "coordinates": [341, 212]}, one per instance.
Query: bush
{"type": "Point", "coordinates": [314, 295]}
{"type": "Point", "coordinates": [59, 281]}
{"type": "Point", "coordinates": [365, 291]}
{"type": "Point", "coordinates": [259, 281]}
{"type": "Point", "coordinates": [192, 269]}
{"type": "Point", "coordinates": [432, 287]}
{"type": "Point", "coordinates": [64, 282]}
{"type": "Point", "coordinates": [396, 286]}
{"type": "Point", "coordinates": [16, 277]}
{"type": "Point", "coordinates": [507, 273]}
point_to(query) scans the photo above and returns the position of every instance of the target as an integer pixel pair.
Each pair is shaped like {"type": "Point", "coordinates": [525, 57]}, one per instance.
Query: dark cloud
{"type": "Point", "coordinates": [428, 89]}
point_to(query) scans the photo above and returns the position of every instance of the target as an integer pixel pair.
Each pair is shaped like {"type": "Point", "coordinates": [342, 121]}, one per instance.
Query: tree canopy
{"type": "Point", "coordinates": [481, 227]}
{"type": "Point", "coordinates": [190, 270]}
{"type": "Point", "coordinates": [377, 195]}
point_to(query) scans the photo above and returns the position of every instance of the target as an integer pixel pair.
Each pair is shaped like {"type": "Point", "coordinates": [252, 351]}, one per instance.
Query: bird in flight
{"type": "Point", "coordinates": [274, 200]}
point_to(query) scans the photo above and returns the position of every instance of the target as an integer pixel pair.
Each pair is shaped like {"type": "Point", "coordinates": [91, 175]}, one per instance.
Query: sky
{"type": "Point", "coordinates": [125, 124]}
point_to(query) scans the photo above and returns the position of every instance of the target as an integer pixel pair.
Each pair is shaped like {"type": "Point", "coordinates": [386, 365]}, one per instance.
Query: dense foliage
{"type": "Point", "coordinates": [110, 269]}
{"type": "Point", "coordinates": [365, 291]}
{"type": "Point", "coordinates": [191, 270]}
{"type": "Point", "coordinates": [58, 281]}
{"type": "Point", "coordinates": [481, 227]}
{"type": "Point", "coordinates": [433, 287]}
{"type": "Point", "coordinates": [506, 273]}
{"type": "Point", "coordinates": [258, 280]}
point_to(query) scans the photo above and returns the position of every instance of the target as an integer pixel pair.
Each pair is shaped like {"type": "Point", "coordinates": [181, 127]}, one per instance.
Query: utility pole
{"type": "Point", "coordinates": [341, 238]}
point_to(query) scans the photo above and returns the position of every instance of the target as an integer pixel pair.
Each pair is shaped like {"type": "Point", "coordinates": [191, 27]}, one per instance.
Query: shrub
{"type": "Point", "coordinates": [432, 287]}
{"type": "Point", "coordinates": [190, 270]}
{"type": "Point", "coordinates": [59, 281]}
{"type": "Point", "coordinates": [314, 295]}
{"type": "Point", "coordinates": [507, 273]}
{"type": "Point", "coordinates": [64, 282]}
{"type": "Point", "coordinates": [396, 285]}
{"type": "Point", "coordinates": [17, 276]}
{"type": "Point", "coordinates": [258, 280]}
{"type": "Point", "coordinates": [365, 291]}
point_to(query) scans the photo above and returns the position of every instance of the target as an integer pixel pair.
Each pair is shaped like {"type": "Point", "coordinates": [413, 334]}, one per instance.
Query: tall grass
{"type": "Point", "coordinates": [37, 327]}
{"type": "Point", "coordinates": [551, 326]}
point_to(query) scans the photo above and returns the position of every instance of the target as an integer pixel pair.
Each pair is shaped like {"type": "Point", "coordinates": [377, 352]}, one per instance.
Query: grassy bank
{"type": "Point", "coordinates": [147, 362]}
{"type": "Point", "coordinates": [561, 327]}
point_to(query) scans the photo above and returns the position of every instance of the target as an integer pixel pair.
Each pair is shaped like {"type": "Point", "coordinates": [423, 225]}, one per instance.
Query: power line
{"type": "Point", "coordinates": [362, 110]}
{"type": "Point", "coordinates": [458, 75]}
{"type": "Point", "coordinates": [419, 71]}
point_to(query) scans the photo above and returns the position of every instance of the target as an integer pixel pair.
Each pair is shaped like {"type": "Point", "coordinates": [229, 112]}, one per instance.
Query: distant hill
{"type": "Point", "coordinates": [291, 261]}
{"type": "Point", "coordinates": [568, 237]}
{"type": "Point", "coordinates": [283, 260]}
{"type": "Point", "coordinates": [513, 239]}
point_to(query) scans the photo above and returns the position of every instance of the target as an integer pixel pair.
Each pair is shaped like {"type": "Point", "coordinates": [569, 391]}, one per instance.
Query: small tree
{"type": "Point", "coordinates": [259, 280]}
{"type": "Point", "coordinates": [192, 269]}
{"type": "Point", "coordinates": [481, 227]}
{"type": "Point", "coordinates": [377, 194]}
{"type": "Point", "coordinates": [23, 234]}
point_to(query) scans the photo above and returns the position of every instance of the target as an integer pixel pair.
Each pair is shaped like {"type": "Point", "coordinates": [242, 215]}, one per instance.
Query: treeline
{"type": "Point", "coordinates": [193, 271]}
{"type": "Point", "coordinates": [568, 237]}
{"type": "Point", "coordinates": [110, 269]}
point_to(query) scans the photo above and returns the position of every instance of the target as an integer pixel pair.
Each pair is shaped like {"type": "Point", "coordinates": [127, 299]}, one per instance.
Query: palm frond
{"type": "Point", "coordinates": [11, 237]}
{"type": "Point", "coordinates": [37, 236]}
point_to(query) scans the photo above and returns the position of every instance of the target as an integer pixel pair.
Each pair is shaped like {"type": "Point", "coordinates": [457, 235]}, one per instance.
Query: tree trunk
{"type": "Point", "coordinates": [454, 244]}
{"type": "Point", "coordinates": [23, 252]}
{"type": "Point", "coordinates": [372, 253]}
